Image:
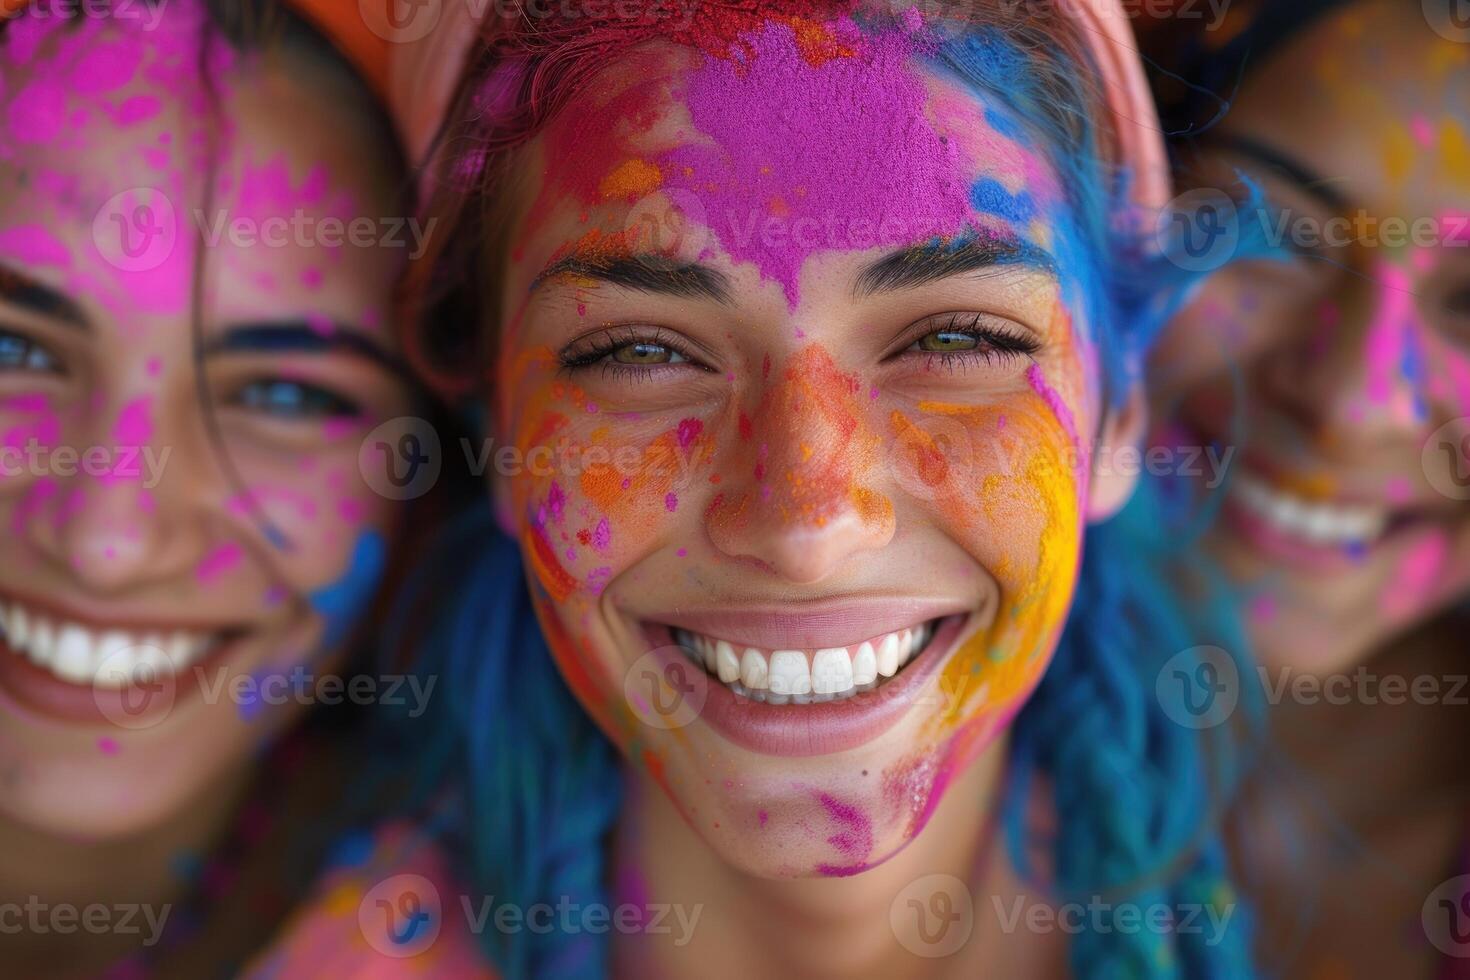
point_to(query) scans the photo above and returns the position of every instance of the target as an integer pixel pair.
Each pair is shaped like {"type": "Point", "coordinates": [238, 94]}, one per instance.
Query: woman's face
{"type": "Point", "coordinates": [1346, 368]}
{"type": "Point", "coordinates": [803, 417]}
{"type": "Point", "coordinates": [162, 560]}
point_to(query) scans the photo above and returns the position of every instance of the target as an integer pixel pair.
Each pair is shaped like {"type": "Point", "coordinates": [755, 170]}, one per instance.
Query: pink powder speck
{"type": "Point", "coordinates": [682, 552]}
{"type": "Point", "coordinates": [689, 430]}
{"type": "Point", "coordinates": [1418, 573]}
{"type": "Point", "coordinates": [219, 561]}
{"type": "Point", "coordinates": [602, 535]}
{"type": "Point", "coordinates": [1262, 607]}
{"type": "Point", "coordinates": [108, 746]}
{"type": "Point", "coordinates": [671, 502]}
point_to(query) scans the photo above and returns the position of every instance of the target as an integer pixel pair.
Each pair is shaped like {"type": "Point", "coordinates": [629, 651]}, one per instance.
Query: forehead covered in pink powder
{"type": "Point", "coordinates": [840, 137]}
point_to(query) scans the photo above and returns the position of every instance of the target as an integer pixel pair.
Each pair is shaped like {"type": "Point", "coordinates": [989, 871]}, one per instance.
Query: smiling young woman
{"type": "Point", "coordinates": [805, 324]}
{"type": "Point", "coordinates": [180, 419]}
{"type": "Point", "coordinates": [802, 325]}
{"type": "Point", "coordinates": [1341, 371]}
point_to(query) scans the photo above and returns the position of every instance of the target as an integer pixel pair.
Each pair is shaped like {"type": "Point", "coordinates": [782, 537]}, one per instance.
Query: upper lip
{"type": "Point", "coordinates": [809, 626]}
{"type": "Point", "coordinates": [100, 621]}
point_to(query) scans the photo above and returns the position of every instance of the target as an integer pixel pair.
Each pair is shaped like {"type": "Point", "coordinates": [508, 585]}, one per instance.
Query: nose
{"type": "Point", "coordinates": [108, 516]}
{"type": "Point", "coordinates": [804, 499]}
{"type": "Point", "coordinates": [1357, 379]}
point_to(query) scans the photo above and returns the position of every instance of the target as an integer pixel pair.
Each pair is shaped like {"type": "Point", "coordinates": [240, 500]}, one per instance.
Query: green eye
{"type": "Point", "coordinates": [645, 353]}
{"type": "Point", "coordinates": [292, 399]}
{"type": "Point", "coordinates": [947, 342]}
{"type": "Point", "coordinates": [18, 353]}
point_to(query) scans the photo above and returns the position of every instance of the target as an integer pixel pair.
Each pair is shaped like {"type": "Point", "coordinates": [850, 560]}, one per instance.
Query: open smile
{"type": "Point", "coordinates": [803, 684]}
{"type": "Point", "coordinates": [73, 668]}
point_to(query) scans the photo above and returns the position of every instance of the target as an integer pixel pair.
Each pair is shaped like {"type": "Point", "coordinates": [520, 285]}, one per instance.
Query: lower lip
{"type": "Point", "coordinates": [822, 728]}
{"type": "Point", "coordinates": [82, 704]}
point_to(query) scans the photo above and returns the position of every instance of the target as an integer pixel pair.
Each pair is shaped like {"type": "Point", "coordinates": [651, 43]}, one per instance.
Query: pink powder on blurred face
{"type": "Point", "coordinates": [219, 561]}
{"type": "Point", "coordinates": [796, 142]}
{"type": "Point", "coordinates": [34, 245]}
{"type": "Point", "coordinates": [1417, 574]}
{"type": "Point", "coordinates": [853, 840]}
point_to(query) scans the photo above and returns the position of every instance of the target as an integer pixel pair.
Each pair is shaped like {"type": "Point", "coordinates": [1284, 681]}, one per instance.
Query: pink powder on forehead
{"type": "Point", "coordinates": [34, 245]}
{"type": "Point", "coordinates": [821, 148]}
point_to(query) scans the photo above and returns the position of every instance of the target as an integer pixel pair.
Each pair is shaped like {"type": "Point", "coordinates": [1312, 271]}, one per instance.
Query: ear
{"type": "Point", "coordinates": [1112, 485]}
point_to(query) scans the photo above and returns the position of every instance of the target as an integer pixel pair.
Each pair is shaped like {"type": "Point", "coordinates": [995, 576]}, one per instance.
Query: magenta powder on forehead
{"type": "Point", "coordinates": [810, 157]}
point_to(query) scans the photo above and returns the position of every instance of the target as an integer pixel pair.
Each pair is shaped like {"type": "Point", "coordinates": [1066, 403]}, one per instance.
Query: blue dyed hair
{"type": "Point", "coordinates": [1135, 794]}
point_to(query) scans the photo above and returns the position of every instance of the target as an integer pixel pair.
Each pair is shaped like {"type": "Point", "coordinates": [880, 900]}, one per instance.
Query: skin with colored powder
{"type": "Point", "coordinates": [809, 405]}
{"type": "Point", "coordinates": [221, 530]}
{"type": "Point", "coordinates": [1333, 373]}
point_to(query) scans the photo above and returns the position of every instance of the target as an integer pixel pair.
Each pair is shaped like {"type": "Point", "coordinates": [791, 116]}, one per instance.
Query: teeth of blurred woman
{"type": "Point", "coordinates": [804, 676]}
{"type": "Point", "coordinates": [1315, 522]}
{"type": "Point", "coordinates": [112, 658]}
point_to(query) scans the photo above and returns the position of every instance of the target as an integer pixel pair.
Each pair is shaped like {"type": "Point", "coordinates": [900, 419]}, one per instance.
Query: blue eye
{"type": "Point", "coordinates": [294, 399]}
{"type": "Point", "coordinates": [19, 353]}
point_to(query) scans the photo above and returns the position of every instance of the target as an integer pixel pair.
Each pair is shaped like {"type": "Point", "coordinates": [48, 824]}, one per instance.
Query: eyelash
{"type": "Point", "coordinates": [994, 342]}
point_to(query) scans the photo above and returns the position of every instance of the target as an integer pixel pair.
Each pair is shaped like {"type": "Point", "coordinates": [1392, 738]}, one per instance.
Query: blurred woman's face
{"type": "Point", "coordinates": [184, 517]}
{"type": "Point", "coordinates": [803, 411]}
{"type": "Point", "coordinates": [1344, 373]}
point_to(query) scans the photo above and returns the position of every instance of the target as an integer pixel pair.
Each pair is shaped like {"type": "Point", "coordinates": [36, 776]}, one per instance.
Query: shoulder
{"type": "Point", "coordinates": [388, 907]}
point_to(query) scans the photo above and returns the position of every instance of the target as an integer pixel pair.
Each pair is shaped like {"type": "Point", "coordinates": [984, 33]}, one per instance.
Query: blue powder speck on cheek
{"type": "Point", "coordinates": [342, 602]}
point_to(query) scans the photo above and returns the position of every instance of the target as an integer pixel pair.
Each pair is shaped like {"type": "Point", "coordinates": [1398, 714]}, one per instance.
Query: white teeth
{"type": "Point", "coordinates": [1313, 521]}
{"type": "Point", "coordinates": [727, 665]}
{"type": "Point", "coordinates": [831, 671]}
{"type": "Point", "coordinates": [80, 655]}
{"type": "Point", "coordinates": [864, 665]}
{"type": "Point", "coordinates": [73, 659]}
{"type": "Point", "coordinates": [789, 674]}
{"type": "Point", "coordinates": [753, 670]}
{"type": "Point", "coordinates": [820, 675]}
{"type": "Point", "coordinates": [888, 655]}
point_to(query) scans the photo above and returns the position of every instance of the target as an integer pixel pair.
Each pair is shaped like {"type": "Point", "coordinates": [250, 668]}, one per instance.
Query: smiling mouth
{"type": "Point", "coordinates": [806, 676]}
{"type": "Point", "coordinates": [109, 658]}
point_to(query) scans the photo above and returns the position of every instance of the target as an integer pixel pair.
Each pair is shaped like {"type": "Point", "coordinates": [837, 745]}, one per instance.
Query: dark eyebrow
{"type": "Point", "coordinates": [21, 290]}
{"type": "Point", "coordinates": [300, 337]}
{"type": "Point", "coordinates": [932, 261]}
{"type": "Point", "coordinates": [645, 273]}
{"type": "Point", "coordinates": [1283, 163]}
